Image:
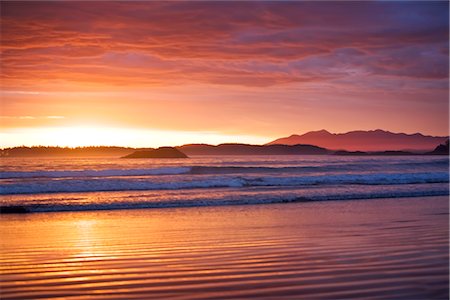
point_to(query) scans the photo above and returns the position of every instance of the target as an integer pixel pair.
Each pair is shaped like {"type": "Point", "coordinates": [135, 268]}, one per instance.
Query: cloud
{"type": "Point", "coordinates": [255, 44]}
{"type": "Point", "coordinates": [18, 117]}
{"type": "Point", "coordinates": [31, 117]}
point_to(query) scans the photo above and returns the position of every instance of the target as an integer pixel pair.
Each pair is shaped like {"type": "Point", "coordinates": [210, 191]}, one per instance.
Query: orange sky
{"type": "Point", "coordinates": [168, 73]}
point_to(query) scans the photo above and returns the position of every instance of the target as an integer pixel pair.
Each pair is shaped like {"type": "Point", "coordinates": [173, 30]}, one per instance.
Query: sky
{"type": "Point", "coordinates": [169, 73]}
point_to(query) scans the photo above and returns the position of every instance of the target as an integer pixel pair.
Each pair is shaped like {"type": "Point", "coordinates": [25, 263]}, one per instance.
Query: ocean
{"type": "Point", "coordinates": [197, 228]}
{"type": "Point", "coordinates": [83, 184]}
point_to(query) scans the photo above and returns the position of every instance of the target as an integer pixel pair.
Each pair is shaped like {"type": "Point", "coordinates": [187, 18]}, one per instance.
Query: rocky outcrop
{"type": "Point", "coordinates": [441, 149]}
{"type": "Point", "coordinates": [162, 152]}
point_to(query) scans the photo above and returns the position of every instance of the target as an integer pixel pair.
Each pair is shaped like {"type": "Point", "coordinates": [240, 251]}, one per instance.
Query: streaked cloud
{"type": "Point", "coordinates": [245, 69]}
{"type": "Point", "coordinates": [243, 43]}
{"type": "Point", "coordinates": [31, 117]}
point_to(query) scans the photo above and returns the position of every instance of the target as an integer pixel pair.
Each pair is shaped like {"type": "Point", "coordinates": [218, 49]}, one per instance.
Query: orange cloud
{"type": "Point", "coordinates": [153, 43]}
{"type": "Point", "coordinates": [255, 67]}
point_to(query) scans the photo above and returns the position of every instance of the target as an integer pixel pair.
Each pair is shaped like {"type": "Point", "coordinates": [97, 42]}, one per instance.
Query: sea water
{"type": "Point", "coordinates": [106, 183]}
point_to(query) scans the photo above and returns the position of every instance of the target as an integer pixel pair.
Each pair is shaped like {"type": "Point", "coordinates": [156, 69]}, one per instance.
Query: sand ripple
{"type": "Point", "coordinates": [373, 249]}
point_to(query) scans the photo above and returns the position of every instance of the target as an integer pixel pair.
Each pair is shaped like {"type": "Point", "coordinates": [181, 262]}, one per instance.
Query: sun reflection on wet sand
{"type": "Point", "coordinates": [338, 249]}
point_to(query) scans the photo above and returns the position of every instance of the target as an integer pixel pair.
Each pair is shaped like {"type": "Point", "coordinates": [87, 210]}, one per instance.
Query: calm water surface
{"type": "Point", "coordinates": [365, 249]}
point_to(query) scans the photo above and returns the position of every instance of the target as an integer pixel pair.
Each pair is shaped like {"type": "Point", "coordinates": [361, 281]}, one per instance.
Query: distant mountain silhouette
{"type": "Point", "coordinates": [162, 152]}
{"type": "Point", "coordinates": [245, 149]}
{"type": "Point", "coordinates": [374, 140]}
{"type": "Point", "coordinates": [190, 149]}
{"type": "Point", "coordinates": [232, 149]}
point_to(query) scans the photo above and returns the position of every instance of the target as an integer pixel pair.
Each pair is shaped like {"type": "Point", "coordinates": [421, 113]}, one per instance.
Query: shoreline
{"type": "Point", "coordinates": [20, 209]}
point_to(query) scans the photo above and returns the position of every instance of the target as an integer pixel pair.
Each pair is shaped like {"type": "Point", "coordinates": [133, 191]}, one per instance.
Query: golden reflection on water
{"type": "Point", "coordinates": [328, 248]}
{"type": "Point", "coordinates": [85, 234]}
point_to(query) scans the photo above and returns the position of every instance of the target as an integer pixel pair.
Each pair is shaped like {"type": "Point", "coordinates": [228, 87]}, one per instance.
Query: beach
{"type": "Point", "coordinates": [224, 150]}
{"type": "Point", "coordinates": [371, 249]}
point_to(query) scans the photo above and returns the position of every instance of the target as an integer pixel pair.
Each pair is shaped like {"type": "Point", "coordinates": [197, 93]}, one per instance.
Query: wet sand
{"type": "Point", "coordinates": [371, 249]}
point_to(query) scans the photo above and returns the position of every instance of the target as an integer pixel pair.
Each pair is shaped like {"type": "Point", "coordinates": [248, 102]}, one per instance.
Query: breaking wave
{"type": "Point", "coordinates": [63, 185]}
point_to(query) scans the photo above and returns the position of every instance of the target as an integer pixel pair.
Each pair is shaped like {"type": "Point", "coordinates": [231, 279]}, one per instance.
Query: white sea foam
{"type": "Point", "coordinates": [86, 184]}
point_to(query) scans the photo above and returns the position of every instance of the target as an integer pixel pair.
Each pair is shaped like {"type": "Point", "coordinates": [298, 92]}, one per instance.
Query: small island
{"type": "Point", "coordinates": [441, 149]}
{"type": "Point", "coordinates": [162, 152]}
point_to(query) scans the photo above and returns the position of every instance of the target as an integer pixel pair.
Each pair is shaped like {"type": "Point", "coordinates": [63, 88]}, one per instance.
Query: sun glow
{"type": "Point", "coordinates": [79, 136]}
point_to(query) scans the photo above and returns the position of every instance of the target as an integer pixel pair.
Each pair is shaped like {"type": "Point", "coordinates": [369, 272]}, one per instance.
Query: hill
{"type": "Point", "coordinates": [245, 149]}
{"type": "Point", "coordinates": [191, 149]}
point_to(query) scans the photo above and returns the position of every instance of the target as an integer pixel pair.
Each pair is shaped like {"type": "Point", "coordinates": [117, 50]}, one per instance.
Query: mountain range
{"type": "Point", "coordinates": [377, 142]}
{"type": "Point", "coordinates": [190, 149]}
{"type": "Point", "coordinates": [373, 140]}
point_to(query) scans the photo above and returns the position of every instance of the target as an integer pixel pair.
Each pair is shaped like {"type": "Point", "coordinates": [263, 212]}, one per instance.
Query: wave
{"type": "Point", "coordinates": [203, 170]}
{"type": "Point", "coordinates": [236, 169]}
{"type": "Point", "coordinates": [192, 182]}
{"type": "Point", "coordinates": [95, 173]}
{"type": "Point", "coordinates": [225, 201]}
{"type": "Point", "coordinates": [194, 170]}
